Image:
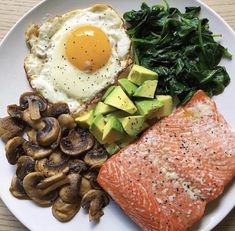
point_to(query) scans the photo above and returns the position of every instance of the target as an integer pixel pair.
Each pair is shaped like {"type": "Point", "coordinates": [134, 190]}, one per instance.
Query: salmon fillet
{"type": "Point", "coordinates": [164, 180]}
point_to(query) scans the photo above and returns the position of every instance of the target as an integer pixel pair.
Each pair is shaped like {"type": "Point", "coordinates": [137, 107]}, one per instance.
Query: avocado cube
{"type": "Point", "coordinates": [138, 75]}
{"type": "Point", "coordinates": [132, 124]}
{"type": "Point", "coordinates": [102, 108]}
{"type": "Point", "coordinates": [125, 141]}
{"type": "Point", "coordinates": [118, 99]}
{"type": "Point", "coordinates": [148, 107]}
{"type": "Point", "coordinates": [107, 93]}
{"type": "Point", "coordinates": [167, 108]}
{"type": "Point", "coordinates": [147, 89]}
{"type": "Point", "coordinates": [113, 131]}
{"type": "Point", "coordinates": [85, 119]}
{"type": "Point", "coordinates": [128, 86]}
{"type": "Point", "coordinates": [118, 114]}
{"type": "Point", "coordinates": [112, 148]}
{"type": "Point", "coordinates": [97, 128]}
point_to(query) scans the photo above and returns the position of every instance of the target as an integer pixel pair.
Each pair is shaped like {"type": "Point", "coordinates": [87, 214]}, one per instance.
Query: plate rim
{"type": "Point", "coordinates": [228, 209]}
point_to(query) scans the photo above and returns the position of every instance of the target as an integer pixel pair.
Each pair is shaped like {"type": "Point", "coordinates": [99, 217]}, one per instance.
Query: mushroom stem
{"type": "Point", "coordinates": [95, 201]}
{"type": "Point", "coordinates": [26, 117]}
{"type": "Point", "coordinates": [56, 163]}
{"type": "Point", "coordinates": [34, 110]}
{"type": "Point", "coordinates": [32, 136]}
{"type": "Point", "coordinates": [55, 186]}
{"type": "Point", "coordinates": [49, 133]}
{"type": "Point", "coordinates": [48, 182]}
{"type": "Point", "coordinates": [44, 197]}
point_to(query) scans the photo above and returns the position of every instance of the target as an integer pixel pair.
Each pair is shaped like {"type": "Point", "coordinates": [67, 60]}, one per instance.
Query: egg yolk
{"type": "Point", "coordinates": [88, 48]}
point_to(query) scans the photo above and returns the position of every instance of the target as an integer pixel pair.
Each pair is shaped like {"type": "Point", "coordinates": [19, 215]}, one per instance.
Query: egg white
{"type": "Point", "coordinates": [50, 73]}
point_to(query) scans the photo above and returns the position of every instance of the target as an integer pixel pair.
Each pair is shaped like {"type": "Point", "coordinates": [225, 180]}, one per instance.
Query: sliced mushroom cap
{"type": "Point", "coordinates": [35, 151]}
{"type": "Point", "coordinates": [17, 189]}
{"type": "Point", "coordinates": [94, 183]}
{"type": "Point", "coordinates": [49, 133]}
{"type": "Point", "coordinates": [33, 96]}
{"type": "Point", "coordinates": [95, 201]}
{"type": "Point", "coordinates": [26, 117]}
{"type": "Point", "coordinates": [9, 128]}
{"type": "Point", "coordinates": [14, 149]}
{"type": "Point", "coordinates": [56, 163]}
{"type": "Point", "coordinates": [91, 175]}
{"type": "Point", "coordinates": [56, 144]}
{"type": "Point", "coordinates": [25, 165]}
{"type": "Point", "coordinates": [63, 211]}
{"type": "Point", "coordinates": [57, 109]}
{"type": "Point", "coordinates": [85, 187]}
{"type": "Point", "coordinates": [70, 193]}
{"type": "Point", "coordinates": [77, 142]}
{"type": "Point", "coordinates": [53, 180]}
{"type": "Point", "coordinates": [32, 136]}
{"type": "Point", "coordinates": [96, 157]}
{"type": "Point", "coordinates": [66, 122]}
{"type": "Point", "coordinates": [35, 104]}
{"type": "Point", "coordinates": [43, 190]}
{"type": "Point", "coordinates": [14, 111]}
{"type": "Point", "coordinates": [77, 166]}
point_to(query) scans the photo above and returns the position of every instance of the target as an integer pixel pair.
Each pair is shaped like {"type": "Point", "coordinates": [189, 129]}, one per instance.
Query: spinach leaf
{"type": "Point", "coordinates": [180, 47]}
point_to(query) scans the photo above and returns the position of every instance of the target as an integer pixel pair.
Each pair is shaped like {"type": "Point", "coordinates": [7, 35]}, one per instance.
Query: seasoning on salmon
{"type": "Point", "coordinates": [164, 180]}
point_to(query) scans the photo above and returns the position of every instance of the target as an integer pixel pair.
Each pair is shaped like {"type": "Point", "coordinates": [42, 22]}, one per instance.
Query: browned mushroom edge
{"type": "Point", "coordinates": [77, 142]}
{"type": "Point", "coordinates": [49, 132]}
{"type": "Point", "coordinates": [46, 194]}
{"type": "Point", "coordinates": [58, 163]}
{"type": "Point", "coordinates": [25, 165]}
{"type": "Point", "coordinates": [64, 211]}
{"type": "Point", "coordinates": [35, 104]}
{"type": "Point", "coordinates": [10, 127]}
{"type": "Point", "coordinates": [14, 149]}
{"type": "Point", "coordinates": [94, 201]}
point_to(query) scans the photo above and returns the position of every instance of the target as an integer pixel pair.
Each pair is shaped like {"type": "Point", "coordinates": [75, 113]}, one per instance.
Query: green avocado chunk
{"type": "Point", "coordinates": [85, 119]}
{"type": "Point", "coordinates": [132, 124]}
{"type": "Point", "coordinates": [167, 108]}
{"type": "Point", "coordinates": [112, 148]}
{"type": "Point", "coordinates": [148, 107]}
{"type": "Point", "coordinates": [147, 89]}
{"type": "Point", "coordinates": [125, 141]}
{"type": "Point", "coordinates": [118, 98]}
{"type": "Point", "coordinates": [102, 108]}
{"type": "Point", "coordinates": [128, 86]}
{"type": "Point", "coordinates": [97, 128]}
{"type": "Point", "coordinates": [113, 131]}
{"type": "Point", "coordinates": [138, 75]}
{"type": "Point", "coordinates": [118, 114]}
{"type": "Point", "coordinates": [107, 93]}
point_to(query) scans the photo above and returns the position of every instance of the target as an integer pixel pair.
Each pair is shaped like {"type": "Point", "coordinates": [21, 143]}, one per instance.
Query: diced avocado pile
{"type": "Point", "coordinates": [127, 110]}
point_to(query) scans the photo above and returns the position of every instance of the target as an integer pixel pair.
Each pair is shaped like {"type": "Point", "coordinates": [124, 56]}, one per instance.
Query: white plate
{"type": "Point", "coordinates": [13, 83]}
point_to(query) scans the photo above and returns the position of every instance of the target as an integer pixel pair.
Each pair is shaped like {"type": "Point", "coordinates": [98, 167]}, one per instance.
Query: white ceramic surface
{"type": "Point", "coordinates": [13, 83]}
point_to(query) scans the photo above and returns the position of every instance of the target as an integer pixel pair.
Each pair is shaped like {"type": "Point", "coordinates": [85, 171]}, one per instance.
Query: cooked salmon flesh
{"type": "Point", "coordinates": [165, 179]}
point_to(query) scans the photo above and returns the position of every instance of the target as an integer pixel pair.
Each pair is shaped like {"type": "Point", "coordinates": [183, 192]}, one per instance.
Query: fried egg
{"type": "Point", "coordinates": [75, 56]}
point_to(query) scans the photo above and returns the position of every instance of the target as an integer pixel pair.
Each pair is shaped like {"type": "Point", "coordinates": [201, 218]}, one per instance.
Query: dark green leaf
{"type": "Point", "coordinates": [180, 47]}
